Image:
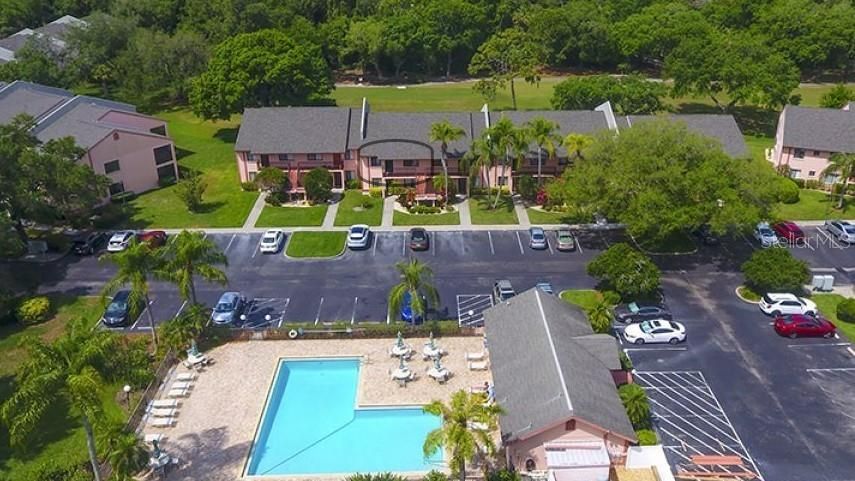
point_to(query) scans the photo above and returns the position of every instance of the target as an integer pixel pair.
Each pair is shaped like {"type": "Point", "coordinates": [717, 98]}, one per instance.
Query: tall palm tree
{"type": "Point", "coordinates": [445, 132]}
{"type": "Point", "coordinates": [190, 255]}
{"type": "Point", "coordinates": [600, 317]}
{"type": "Point", "coordinates": [842, 165]}
{"type": "Point", "coordinates": [136, 265]}
{"type": "Point", "coordinates": [457, 433]}
{"type": "Point", "coordinates": [503, 134]}
{"type": "Point", "coordinates": [65, 370]}
{"type": "Point", "coordinates": [483, 156]}
{"type": "Point", "coordinates": [635, 402]}
{"type": "Point", "coordinates": [576, 143]}
{"type": "Point", "coordinates": [179, 332]}
{"type": "Point", "coordinates": [544, 134]}
{"type": "Point", "coordinates": [124, 450]}
{"type": "Point", "coordinates": [417, 282]}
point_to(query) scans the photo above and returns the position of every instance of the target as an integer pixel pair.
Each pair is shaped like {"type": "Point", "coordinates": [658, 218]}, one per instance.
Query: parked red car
{"type": "Point", "coordinates": [800, 325]}
{"type": "Point", "coordinates": [154, 238]}
{"type": "Point", "coordinates": [789, 231]}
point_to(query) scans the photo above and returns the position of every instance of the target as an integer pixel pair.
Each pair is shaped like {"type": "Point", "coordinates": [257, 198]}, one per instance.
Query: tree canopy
{"type": "Point", "coordinates": [628, 272]}
{"type": "Point", "coordinates": [630, 95]}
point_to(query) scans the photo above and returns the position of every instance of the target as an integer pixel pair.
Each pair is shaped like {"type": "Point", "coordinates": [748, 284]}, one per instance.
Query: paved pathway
{"type": "Point", "coordinates": [522, 214]}
{"type": "Point", "coordinates": [329, 219]}
{"type": "Point", "coordinates": [388, 211]}
{"type": "Point", "coordinates": [252, 218]}
{"type": "Point", "coordinates": [465, 216]}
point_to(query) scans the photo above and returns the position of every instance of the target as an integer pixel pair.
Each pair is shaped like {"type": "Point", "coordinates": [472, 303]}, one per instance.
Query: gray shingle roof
{"type": "Point", "coordinates": [285, 130]}
{"type": "Point", "coordinates": [414, 129]}
{"type": "Point", "coordinates": [569, 121]}
{"type": "Point", "coordinates": [549, 366]}
{"type": "Point", "coordinates": [79, 119]}
{"type": "Point", "coordinates": [720, 127]}
{"type": "Point", "coordinates": [831, 130]}
{"type": "Point", "coordinates": [29, 98]}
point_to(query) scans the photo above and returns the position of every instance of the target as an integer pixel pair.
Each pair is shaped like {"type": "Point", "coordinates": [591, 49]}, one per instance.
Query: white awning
{"type": "Point", "coordinates": [577, 455]}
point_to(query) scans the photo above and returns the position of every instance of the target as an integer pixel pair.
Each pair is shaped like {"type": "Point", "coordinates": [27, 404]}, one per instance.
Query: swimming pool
{"type": "Point", "coordinates": [311, 425]}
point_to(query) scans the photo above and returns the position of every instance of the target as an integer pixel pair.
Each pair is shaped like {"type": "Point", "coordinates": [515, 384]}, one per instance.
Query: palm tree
{"type": "Point", "coordinates": [483, 155]}
{"type": "Point", "coordinates": [136, 264]}
{"type": "Point", "coordinates": [635, 402]}
{"type": "Point", "coordinates": [503, 134]}
{"type": "Point", "coordinates": [179, 332]}
{"type": "Point", "coordinates": [416, 281]}
{"type": "Point", "coordinates": [600, 316]}
{"type": "Point", "coordinates": [576, 143]}
{"type": "Point", "coordinates": [842, 165]}
{"type": "Point", "coordinates": [189, 255]}
{"type": "Point", "coordinates": [543, 132]}
{"type": "Point", "coordinates": [444, 133]}
{"type": "Point", "coordinates": [125, 451]}
{"type": "Point", "coordinates": [66, 370]}
{"type": "Point", "coordinates": [457, 434]}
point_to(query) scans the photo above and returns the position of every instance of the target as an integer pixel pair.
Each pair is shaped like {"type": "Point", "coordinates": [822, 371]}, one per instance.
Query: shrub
{"type": "Point", "coordinates": [788, 191]}
{"type": "Point", "coordinates": [801, 183]}
{"type": "Point", "coordinates": [503, 475]}
{"type": "Point", "coordinates": [611, 297]}
{"type": "Point", "coordinates": [190, 191]}
{"type": "Point", "coordinates": [375, 477]}
{"type": "Point", "coordinates": [276, 198]}
{"type": "Point", "coordinates": [109, 216]}
{"type": "Point", "coordinates": [7, 307]}
{"type": "Point", "coordinates": [646, 437]}
{"type": "Point", "coordinates": [527, 187]}
{"type": "Point", "coordinates": [814, 184]}
{"type": "Point", "coordinates": [424, 209]}
{"type": "Point", "coordinates": [775, 270]}
{"type": "Point", "coordinates": [376, 192]}
{"type": "Point", "coordinates": [636, 404]}
{"type": "Point", "coordinates": [123, 197]}
{"type": "Point", "coordinates": [248, 186]}
{"type": "Point", "coordinates": [352, 184]}
{"type": "Point", "coordinates": [271, 179]}
{"type": "Point", "coordinates": [625, 270]}
{"type": "Point", "coordinates": [625, 361]}
{"type": "Point", "coordinates": [846, 310]}
{"type": "Point", "coordinates": [54, 470]}
{"type": "Point", "coordinates": [318, 184]}
{"type": "Point", "coordinates": [542, 198]}
{"type": "Point", "coordinates": [435, 475]}
{"type": "Point", "coordinates": [57, 241]}
{"type": "Point", "coordinates": [33, 310]}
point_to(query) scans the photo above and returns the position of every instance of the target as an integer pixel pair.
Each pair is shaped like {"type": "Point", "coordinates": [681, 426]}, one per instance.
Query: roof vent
{"type": "Point", "coordinates": [363, 126]}
{"type": "Point", "coordinates": [486, 111]}
{"type": "Point", "coordinates": [606, 109]}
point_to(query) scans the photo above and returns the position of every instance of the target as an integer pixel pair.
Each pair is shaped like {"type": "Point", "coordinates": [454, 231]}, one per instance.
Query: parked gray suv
{"type": "Point", "coordinates": [229, 308]}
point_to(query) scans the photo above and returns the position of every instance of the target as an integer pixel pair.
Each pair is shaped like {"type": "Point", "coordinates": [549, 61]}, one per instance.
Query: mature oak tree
{"type": "Point", "coordinates": [630, 95]}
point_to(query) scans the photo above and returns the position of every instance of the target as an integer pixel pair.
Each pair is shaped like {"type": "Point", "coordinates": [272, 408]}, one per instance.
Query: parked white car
{"type": "Point", "coordinates": [271, 241]}
{"type": "Point", "coordinates": [657, 331]}
{"type": "Point", "coordinates": [841, 229]}
{"type": "Point", "coordinates": [120, 241]}
{"type": "Point", "coordinates": [765, 235]}
{"type": "Point", "coordinates": [775, 304]}
{"type": "Point", "coordinates": [358, 236]}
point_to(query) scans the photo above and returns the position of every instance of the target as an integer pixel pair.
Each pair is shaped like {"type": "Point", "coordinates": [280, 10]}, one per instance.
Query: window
{"type": "Point", "coordinates": [111, 166]}
{"type": "Point", "coordinates": [799, 154]}
{"type": "Point", "coordinates": [411, 163]}
{"type": "Point", "coordinates": [376, 181]}
{"type": "Point", "coordinates": [284, 157]}
{"type": "Point", "coordinates": [831, 178]}
{"type": "Point", "coordinates": [163, 154]}
{"type": "Point", "coordinates": [254, 157]}
{"type": "Point", "coordinates": [375, 162]}
{"type": "Point", "coordinates": [160, 130]}
{"type": "Point", "coordinates": [166, 173]}
{"type": "Point", "coordinates": [816, 153]}
{"type": "Point", "coordinates": [795, 173]}
{"type": "Point", "coordinates": [503, 180]}
{"type": "Point", "coordinates": [314, 157]}
{"type": "Point", "coordinates": [117, 188]}
{"type": "Point", "coordinates": [811, 173]}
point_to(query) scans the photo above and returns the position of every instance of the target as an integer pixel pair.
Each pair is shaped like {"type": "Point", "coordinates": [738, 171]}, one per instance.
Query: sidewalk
{"type": "Point", "coordinates": [329, 218]}
{"type": "Point", "coordinates": [255, 213]}
{"type": "Point", "coordinates": [398, 228]}
{"type": "Point", "coordinates": [388, 211]}
{"type": "Point", "coordinates": [465, 216]}
{"type": "Point", "coordinates": [522, 214]}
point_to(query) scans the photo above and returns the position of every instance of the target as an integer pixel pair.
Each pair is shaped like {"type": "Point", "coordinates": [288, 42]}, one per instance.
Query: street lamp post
{"type": "Point", "coordinates": [127, 390]}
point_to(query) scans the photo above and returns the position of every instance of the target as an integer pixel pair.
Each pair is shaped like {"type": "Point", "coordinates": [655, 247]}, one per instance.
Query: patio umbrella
{"type": "Point", "coordinates": [194, 349]}
{"type": "Point", "coordinates": [432, 342]}
{"type": "Point", "coordinates": [401, 364]}
{"type": "Point", "coordinates": [436, 364]}
{"type": "Point", "coordinates": [400, 341]}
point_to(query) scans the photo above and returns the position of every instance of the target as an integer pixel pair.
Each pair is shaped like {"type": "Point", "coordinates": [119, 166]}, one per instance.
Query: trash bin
{"type": "Point", "coordinates": [817, 282]}
{"type": "Point", "coordinates": [827, 283]}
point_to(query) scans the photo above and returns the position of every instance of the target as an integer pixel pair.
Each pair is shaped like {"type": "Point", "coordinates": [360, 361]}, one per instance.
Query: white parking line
{"type": "Point", "coordinates": [832, 344]}
{"type": "Point", "coordinates": [578, 245]}
{"type": "Point", "coordinates": [205, 236]}
{"type": "Point", "coordinates": [282, 314]}
{"type": "Point", "coordinates": [433, 247]}
{"type": "Point", "coordinates": [353, 314]}
{"type": "Point", "coordinates": [257, 247]}
{"type": "Point", "coordinates": [404, 246]}
{"type": "Point", "coordinates": [831, 369]}
{"type": "Point", "coordinates": [519, 241]}
{"type": "Point", "coordinates": [134, 326]}
{"type": "Point", "coordinates": [490, 237]}
{"type": "Point", "coordinates": [183, 304]}
{"type": "Point", "coordinates": [230, 243]}
{"type": "Point", "coordinates": [374, 246]}
{"type": "Point", "coordinates": [655, 349]}
{"type": "Point", "coordinates": [747, 241]}
{"type": "Point", "coordinates": [549, 245]}
{"type": "Point", "coordinates": [317, 317]}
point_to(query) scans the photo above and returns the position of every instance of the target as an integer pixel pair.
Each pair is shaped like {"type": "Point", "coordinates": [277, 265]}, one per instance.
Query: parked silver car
{"type": "Point", "coordinates": [229, 308]}
{"type": "Point", "coordinates": [537, 238]}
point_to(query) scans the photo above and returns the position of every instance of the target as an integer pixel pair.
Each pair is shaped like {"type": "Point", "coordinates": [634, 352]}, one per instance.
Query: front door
{"type": "Point", "coordinates": [390, 167]}
{"type": "Point", "coordinates": [337, 181]}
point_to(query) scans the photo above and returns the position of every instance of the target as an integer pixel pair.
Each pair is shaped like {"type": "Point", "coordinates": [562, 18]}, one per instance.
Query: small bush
{"type": "Point", "coordinates": [396, 190]}
{"type": "Point", "coordinates": [789, 191]}
{"type": "Point", "coordinates": [53, 470]}
{"type": "Point", "coordinates": [813, 184]}
{"type": "Point", "coordinates": [435, 475]}
{"type": "Point", "coordinates": [646, 437]}
{"type": "Point", "coordinates": [376, 192]}
{"type": "Point", "coordinates": [425, 209]}
{"type": "Point", "coordinates": [33, 310]}
{"type": "Point", "coordinates": [190, 191]}
{"type": "Point", "coordinates": [611, 297]}
{"type": "Point", "coordinates": [503, 475]}
{"type": "Point", "coordinates": [248, 186]}
{"type": "Point", "coordinates": [7, 307]}
{"type": "Point", "coordinates": [801, 183]}
{"type": "Point", "coordinates": [846, 310]}
{"type": "Point", "coordinates": [637, 406]}
{"type": "Point", "coordinates": [625, 362]}
{"type": "Point", "coordinates": [527, 187]}
{"type": "Point", "coordinates": [276, 198]}
{"type": "Point", "coordinates": [353, 184]}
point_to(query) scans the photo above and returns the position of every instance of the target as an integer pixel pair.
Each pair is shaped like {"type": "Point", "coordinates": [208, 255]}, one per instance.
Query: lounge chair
{"type": "Point", "coordinates": [186, 376]}
{"type": "Point", "coordinates": [164, 403]}
{"type": "Point", "coordinates": [162, 422]}
{"type": "Point", "coordinates": [478, 365]}
{"type": "Point", "coordinates": [197, 361]}
{"type": "Point", "coordinates": [182, 385]}
{"type": "Point", "coordinates": [441, 376]}
{"type": "Point", "coordinates": [163, 412]}
{"type": "Point", "coordinates": [177, 393]}
{"type": "Point", "coordinates": [475, 356]}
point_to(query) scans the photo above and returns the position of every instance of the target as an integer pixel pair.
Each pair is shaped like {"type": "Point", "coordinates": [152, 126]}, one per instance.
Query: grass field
{"type": "Point", "coordinates": [481, 211]}
{"type": "Point", "coordinates": [356, 208]}
{"type": "Point", "coordinates": [273, 216]}
{"type": "Point", "coordinates": [60, 437]}
{"type": "Point", "coordinates": [207, 148]}
{"type": "Point", "coordinates": [445, 218]}
{"type": "Point", "coordinates": [815, 205]}
{"type": "Point", "coordinates": [584, 298]}
{"type": "Point", "coordinates": [316, 244]}
{"type": "Point", "coordinates": [827, 304]}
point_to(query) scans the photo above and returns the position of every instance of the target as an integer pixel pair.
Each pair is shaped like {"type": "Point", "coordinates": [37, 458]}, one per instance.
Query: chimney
{"type": "Point", "coordinates": [363, 126]}
{"type": "Point", "coordinates": [606, 109]}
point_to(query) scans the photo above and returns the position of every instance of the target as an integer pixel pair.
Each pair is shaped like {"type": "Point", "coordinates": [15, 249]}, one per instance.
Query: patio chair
{"type": "Point", "coordinates": [475, 356]}
{"type": "Point", "coordinates": [163, 412]}
{"type": "Point", "coordinates": [186, 376]}
{"type": "Point", "coordinates": [173, 393]}
{"type": "Point", "coordinates": [182, 385]}
{"type": "Point", "coordinates": [164, 403]}
{"type": "Point", "coordinates": [478, 365]}
{"type": "Point", "coordinates": [162, 422]}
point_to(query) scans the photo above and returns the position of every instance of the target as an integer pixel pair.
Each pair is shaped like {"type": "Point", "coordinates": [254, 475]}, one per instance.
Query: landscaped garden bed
{"type": "Point", "coordinates": [316, 244]}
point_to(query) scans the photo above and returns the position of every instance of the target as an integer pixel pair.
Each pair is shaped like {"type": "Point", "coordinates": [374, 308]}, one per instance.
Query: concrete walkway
{"type": "Point", "coordinates": [388, 211]}
{"type": "Point", "coordinates": [465, 216]}
{"type": "Point", "coordinates": [329, 219]}
{"type": "Point", "coordinates": [255, 213]}
{"type": "Point", "coordinates": [522, 214]}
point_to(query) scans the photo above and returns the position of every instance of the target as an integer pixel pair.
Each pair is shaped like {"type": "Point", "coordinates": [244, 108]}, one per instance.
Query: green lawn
{"type": "Point", "coordinates": [273, 216]}
{"type": "Point", "coordinates": [356, 208]}
{"type": "Point", "coordinates": [540, 217]}
{"type": "Point", "coordinates": [316, 244]}
{"type": "Point", "coordinates": [584, 298]}
{"type": "Point", "coordinates": [757, 145]}
{"type": "Point", "coordinates": [481, 211]}
{"type": "Point", "coordinates": [815, 205]}
{"type": "Point", "coordinates": [207, 148]}
{"type": "Point", "coordinates": [59, 438]}
{"type": "Point", "coordinates": [445, 218]}
{"type": "Point", "coordinates": [827, 304]}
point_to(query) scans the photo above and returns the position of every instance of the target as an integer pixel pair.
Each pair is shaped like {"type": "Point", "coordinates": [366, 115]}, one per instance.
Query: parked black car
{"type": "Point", "coordinates": [89, 243]}
{"type": "Point", "coordinates": [637, 312]}
{"type": "Point", "coordinates": [419, 240]}
{"type": "Point", "coordinates": [118, 312]}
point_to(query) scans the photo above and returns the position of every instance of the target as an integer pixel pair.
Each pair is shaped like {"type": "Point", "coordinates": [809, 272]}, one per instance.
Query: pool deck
{"type": "Point", "coordinates": [217, 421]}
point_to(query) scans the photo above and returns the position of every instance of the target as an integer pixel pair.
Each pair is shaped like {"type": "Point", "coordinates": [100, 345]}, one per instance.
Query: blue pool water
{"type": "Point", "coordinates": [311, 426]}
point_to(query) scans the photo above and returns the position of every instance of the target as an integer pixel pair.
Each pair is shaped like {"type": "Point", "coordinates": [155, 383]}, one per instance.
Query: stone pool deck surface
{"type": "Point", "coordinates": [217, 421]}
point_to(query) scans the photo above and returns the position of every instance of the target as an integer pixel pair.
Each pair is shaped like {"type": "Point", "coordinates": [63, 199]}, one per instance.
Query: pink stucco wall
{"type": "Point", "coordinates": [533, 447]}
{"type": "Point", "coordinates": [809, 167]}
{"type": "Point", "coordinates": [135, 152]}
